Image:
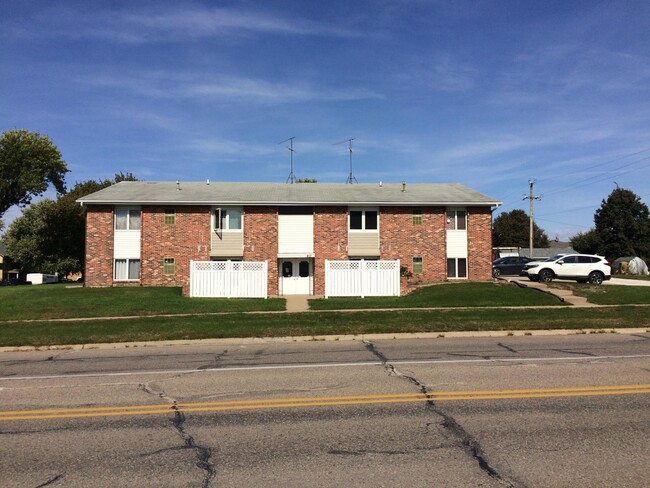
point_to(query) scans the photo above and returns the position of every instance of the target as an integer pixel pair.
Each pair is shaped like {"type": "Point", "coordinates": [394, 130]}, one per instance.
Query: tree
{"type": "Point", "coordinates": [588, 242]}
{"type": "Point", "coordinates": [29, 162]}
{"type": "Point", "coordinates": [50, 235]}
{"type": "Point", "coordinates": [306, 180]}
{"type": "Point", "coordinates": [623, 224]}
{"type": "Point", "coordinates": [513, 229]}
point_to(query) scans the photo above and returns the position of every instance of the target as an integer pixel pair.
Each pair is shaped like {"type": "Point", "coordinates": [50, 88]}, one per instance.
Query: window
{"type": "Point", "coordinates": [169, 266]}
{"type": "Point", "coordinates": [228, 219]}
{"type": "Point", "coordinates": [457, 268]}
{"type": "Point", "coordinates": [456, 220]}
{"type": "Point", "coordinates": [364, 219]}
{"type": "Point", "coordinates": [303, 269]}
{"type": "Point", "coordinates": [126, 269]}
{"type": "Point", "coordinates": [170, 216]}
{"type": "Point", "coordinates": [416, 218]}
{"type": "Point", "coordinates": [417, 266]}
{"type": "Point", "coordinates": [287, 269]}
{"type": "Point", "coordinates": [127, 218]}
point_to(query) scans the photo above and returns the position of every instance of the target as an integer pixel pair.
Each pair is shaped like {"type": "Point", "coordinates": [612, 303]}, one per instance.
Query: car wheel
{"type": "Point", "coordinates": [596, 277]}
{"type": "Point", "coordinates": [546, 275]}
{"type": "Point", "coordinates": [496, 272]}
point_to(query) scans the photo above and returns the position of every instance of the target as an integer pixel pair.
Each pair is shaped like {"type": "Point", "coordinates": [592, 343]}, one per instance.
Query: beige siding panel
{"type": "Point", "coordinates": [126, 244]}
{"type": "Point", "coordinates": [456, 243]}
{"type": "Point", "coordinates": [296, 234]}
{"type": "Point", "coordinates": [363, 243]}
{"type": "Point", "coordinates": [227, 244]}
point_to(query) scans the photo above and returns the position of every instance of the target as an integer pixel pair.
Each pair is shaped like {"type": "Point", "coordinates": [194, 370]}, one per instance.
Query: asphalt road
{"type": "Point", "coordinates": [511, 411]}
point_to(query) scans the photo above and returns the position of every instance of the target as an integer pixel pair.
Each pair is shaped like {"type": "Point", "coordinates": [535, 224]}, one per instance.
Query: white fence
{"type": "Point", "coordinates": [361, 278]}
{"type": "Point", "coordinates": [229, 279]}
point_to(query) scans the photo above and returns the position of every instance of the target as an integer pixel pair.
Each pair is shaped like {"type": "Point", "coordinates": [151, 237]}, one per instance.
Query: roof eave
{"type": "Point", "coordinates": [287, 203]}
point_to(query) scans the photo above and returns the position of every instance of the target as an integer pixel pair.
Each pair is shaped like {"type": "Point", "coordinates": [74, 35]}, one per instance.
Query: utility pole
{"type": "Point", "coordinates": [530, 197]}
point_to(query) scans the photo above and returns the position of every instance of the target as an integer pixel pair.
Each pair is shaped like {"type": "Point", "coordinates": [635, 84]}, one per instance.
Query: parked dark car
{"type": "Point", "coordinates": [511, 265]}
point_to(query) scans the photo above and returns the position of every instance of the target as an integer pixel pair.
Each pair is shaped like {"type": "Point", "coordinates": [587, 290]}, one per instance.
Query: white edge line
{"type": "Point", "coordinates": [319, 365]}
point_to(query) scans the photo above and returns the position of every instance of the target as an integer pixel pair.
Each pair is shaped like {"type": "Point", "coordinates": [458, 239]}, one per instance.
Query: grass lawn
{"type": "Point", "coordinates": [610, 294]}
{"type": "Point", "coordinates": [319, 323]}
{"type": "Point", "coordinates": [57, 301]}
{"type": "Point", "coordinates": [447, 295]}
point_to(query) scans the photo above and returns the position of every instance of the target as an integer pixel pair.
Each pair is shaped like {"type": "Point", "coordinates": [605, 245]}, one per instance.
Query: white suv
{"type": "Point", "coordinates": [580, 267]}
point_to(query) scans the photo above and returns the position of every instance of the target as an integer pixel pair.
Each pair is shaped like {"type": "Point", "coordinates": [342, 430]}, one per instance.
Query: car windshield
{"type": "Point", "coordinates": [553, 258]}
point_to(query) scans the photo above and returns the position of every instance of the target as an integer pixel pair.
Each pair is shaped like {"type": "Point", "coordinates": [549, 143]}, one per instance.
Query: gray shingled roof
{"type": "Point", "coordinates": [192, 193]}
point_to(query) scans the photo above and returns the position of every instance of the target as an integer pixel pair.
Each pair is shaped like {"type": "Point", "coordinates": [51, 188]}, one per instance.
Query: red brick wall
{"type": "Point", "coordinates": [400, 238]}
{"type": "Point", "coordinates": [188, 239]}
{"type": "Point", "coordinates": [261, 240]}
{"type": "Point", "coordinates": [330, 241]}
{"type": "Point", "coordinates": [479, 243]}
{"type": "Point", "coordinates": [98, 269]}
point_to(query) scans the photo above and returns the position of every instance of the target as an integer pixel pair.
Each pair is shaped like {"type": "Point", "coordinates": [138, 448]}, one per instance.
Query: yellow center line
{"type": "Point", "coordinates": [126, 410]}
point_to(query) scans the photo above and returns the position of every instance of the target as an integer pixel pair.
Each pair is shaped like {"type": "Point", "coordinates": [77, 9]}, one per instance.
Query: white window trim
{"type": "Point", "coordinates": [456, 264]}
{"type": "Point", "coordinates": [128, 218]}
{"type": "Point", "coordinates": [128, 260]}
{"type": "Point", "coordinates": [215, 217]}
{"type": "Point", "coordinates": [363, 211]}
{"type": "Point", "coordinates": [456, 210]}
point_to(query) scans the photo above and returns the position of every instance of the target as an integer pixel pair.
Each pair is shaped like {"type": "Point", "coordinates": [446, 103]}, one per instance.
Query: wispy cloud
{"type": "Point", "coordinates": [223, 88]}
{"type": "Point", "coordinates": [169, 23]}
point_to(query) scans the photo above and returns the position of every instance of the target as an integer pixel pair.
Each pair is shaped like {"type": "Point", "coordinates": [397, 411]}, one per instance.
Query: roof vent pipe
{"type": "Point", "coordinates": [380, 184]}
{"type": "Point", "coordinates": [207, 182]}
{"type": "Point", "coordinates": [178, 185]}
{"type": "Point", "coordinates": [403, 186]}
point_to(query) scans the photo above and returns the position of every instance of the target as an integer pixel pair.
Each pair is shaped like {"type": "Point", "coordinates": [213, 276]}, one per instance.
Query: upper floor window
{"type": "Point", "coordinates": [228, 219]}
{"type": "Point", "coordinates": [456, 220]}
{"type": "Point", "coordinates": [127, 218]}
{"type": "Point", "coordinates": [170, 216]}
{"type": "Point", "coordinates": [364, 219]}
{"type": "Point", "coordinates": [416, 217]}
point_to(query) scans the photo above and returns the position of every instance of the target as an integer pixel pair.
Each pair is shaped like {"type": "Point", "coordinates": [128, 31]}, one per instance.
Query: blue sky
{"type": "Point", "coordinates": [488, 94]}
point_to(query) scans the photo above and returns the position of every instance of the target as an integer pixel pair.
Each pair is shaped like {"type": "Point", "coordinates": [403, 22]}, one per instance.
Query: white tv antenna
{"type": "Point", "coordinates": [351, 179]}
{"type": "Point", "coordinates": [292, 177]}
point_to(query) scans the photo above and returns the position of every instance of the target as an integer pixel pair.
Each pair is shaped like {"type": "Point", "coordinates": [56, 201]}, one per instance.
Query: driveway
{"type": "Point", "coordinates": [625, 282]}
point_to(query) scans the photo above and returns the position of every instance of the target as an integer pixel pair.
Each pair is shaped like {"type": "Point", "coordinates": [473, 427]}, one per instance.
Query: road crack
{"type": "Point", "coordinates": [215, 360]}
{"type": "Point", "coordinates": [507, 348]}
{"type": "Point", "coordinates": [469, 444]}
{"type": "Point", "coordinates": [203, 454]}
{"type": "Point", "coordinates": [50, 481]}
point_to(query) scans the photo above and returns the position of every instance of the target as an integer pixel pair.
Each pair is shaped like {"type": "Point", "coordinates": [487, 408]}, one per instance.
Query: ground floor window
{"type": "Point", "coordinates": [456, 267]}
{"type": "Point", "coordinates": [417, 266]}
{"type": "Point", "coordinates": [126, 269]}
{"type": "Point", "coordinates": [169, 266]}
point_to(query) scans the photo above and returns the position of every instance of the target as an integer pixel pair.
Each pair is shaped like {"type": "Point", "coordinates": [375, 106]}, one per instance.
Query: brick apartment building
{"type": "Point", "coordinates": [147, 233]}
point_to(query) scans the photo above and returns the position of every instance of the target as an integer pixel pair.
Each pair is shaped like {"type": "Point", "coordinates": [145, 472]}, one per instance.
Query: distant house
{"type": "Point", "coordinates": [554, 247]}
{"type": "Point", "coordinates": [5, 263]}
{"type": "Point", "coordinates": [152, 233]}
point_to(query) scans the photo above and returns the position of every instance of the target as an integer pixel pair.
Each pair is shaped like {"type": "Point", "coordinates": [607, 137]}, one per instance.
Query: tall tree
{"type": "Point", "coordinates": [29, 162]}
{"type": "Point", "coordinates": [50, 235]}
{"type": "Point", "coordinates": [588, 242]}
{"type": "Point", "coordinates": [623, 224]}
{"type": "Point", "coordinates": [513, 229]}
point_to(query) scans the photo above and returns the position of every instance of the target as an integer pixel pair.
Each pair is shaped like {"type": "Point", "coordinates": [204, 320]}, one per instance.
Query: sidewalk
{"type": "Point", "coordinates": [564, 295]}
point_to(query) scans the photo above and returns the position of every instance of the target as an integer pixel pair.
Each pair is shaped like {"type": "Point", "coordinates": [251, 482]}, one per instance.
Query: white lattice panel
{"type": "Point", "coordinates": [361, 278]}
{"type": "Point", "coordinates": [229, 279]}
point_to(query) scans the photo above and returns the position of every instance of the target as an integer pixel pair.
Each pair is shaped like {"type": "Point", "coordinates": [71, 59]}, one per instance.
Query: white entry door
{"type": "Point", "coordinates": [295, 276]}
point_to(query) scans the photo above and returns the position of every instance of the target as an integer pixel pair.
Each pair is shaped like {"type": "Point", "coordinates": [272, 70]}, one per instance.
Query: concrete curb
{"type": "Point", "coordinates": [334, 338]}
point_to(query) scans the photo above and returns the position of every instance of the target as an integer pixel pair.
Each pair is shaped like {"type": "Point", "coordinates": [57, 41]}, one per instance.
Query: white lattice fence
{"type": "Point", "coordinates": [229, 279]}
{"type": "Point", "coordinates": [361, 278]}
